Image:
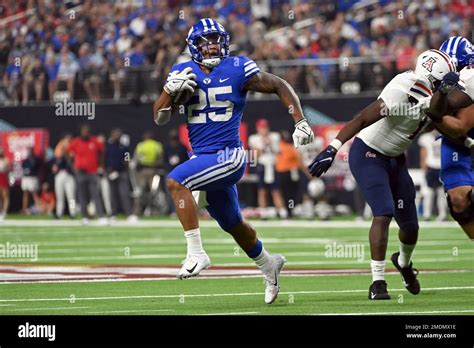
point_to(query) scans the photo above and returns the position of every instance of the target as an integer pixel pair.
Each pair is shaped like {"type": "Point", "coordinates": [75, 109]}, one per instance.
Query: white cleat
{"type": "Point", "coordinates": [193, 265]}
{"type": "Point", "coordinates": [272, 279]}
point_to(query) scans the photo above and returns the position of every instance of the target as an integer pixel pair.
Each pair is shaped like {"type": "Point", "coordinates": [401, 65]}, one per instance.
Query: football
{"type": "Point", "coordinates": [182, 97]}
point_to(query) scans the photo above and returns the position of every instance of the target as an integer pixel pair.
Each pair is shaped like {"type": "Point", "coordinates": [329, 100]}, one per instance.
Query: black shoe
{"type": "Point", "coordinates": [378, 291]}
{"type": "Point", "coordinates": [408, 275]}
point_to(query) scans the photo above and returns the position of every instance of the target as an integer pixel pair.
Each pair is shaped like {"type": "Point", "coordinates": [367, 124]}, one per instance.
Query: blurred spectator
{"type": "Point", "coordinates": [288, 166]}
{"type": "Point", "coordinates": [47, 200]}
{"type": "Point", "coordinates": [67, 71]}
{"type": "Point", "coordinates": [148, 157]}
{"type": "Point", "coordinates": [30, 180]}
{"type": "Point", "coordinates": [117, 156]}
{"type": "Point", "coordinates": [52, 68]}
{"type": "Point", "coordinates": [64, 183]}
{"type": "Point", "coordinates": [430, 163]}
{"type": "Point", "coordinates": [88, 151]}
{"type": "Point", "coordinates": [4, 184]}
{"type": "Point", "coordinates": [12, 79]}
{"type": "Point", "coordinates": [35, 76]}
{"type": "Point", "coordinates": [267, 146]}
{"type": "Point", "coordinates": [175, 152]}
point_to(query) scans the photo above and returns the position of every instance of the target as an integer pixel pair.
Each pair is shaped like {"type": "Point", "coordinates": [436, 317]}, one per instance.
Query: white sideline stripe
{"type": "Point", "coordinates": [395, 313]}
{"type": "Point", "coordinates": [181, 256]}
{"type": "Point", "coordinates": [316, 252]}
{"type": "Point", "coordinates": [104, 280]}
{"type": "Point", "coordinates": [229, 313]}
{"type": "Point", "coordinates": [211, 223]}
{"type": "Point", "coordinates": [308, 292]}
{"type": "Point", "coordinates": [47, 309]}
{"type": "Point", "coordinates": [162, 242]}
{"type": "Point", "coordinates": [133, 311]}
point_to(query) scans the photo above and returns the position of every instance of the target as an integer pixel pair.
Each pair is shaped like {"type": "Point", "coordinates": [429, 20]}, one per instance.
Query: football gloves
{"type": "Point", "coordinates": [450, 80]}
{"type": "Point", "coordinates": [303, 133]}
{"type": "Point", "coordinates": [323, 161]}
{"type": "Point", "coordinates": [179, 81]}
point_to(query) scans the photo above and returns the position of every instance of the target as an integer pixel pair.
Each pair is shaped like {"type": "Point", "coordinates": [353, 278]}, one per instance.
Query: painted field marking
{"type": "Point", "coordinates": [395, 313]}
{"type": "Point", "coordinates": [308, 292]}
{"type": "Point", "coordinates": [132, 311]}
{"type": "Point", "coordinates": [46, 309]}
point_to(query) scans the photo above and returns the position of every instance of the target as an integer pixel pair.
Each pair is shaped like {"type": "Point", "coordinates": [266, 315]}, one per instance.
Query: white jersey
{"type": "Point", "coordinates": [407, 97]}
{"type": "Point", "coordinates": [466, 80]}
{"type": "Point", "coordinates": [433, 149]}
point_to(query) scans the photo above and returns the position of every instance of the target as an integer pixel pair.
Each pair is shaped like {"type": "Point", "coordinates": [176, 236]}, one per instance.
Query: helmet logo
{"type": "Point", "coordinates": [428, 64]}
{"type": "Point", "coordinates": [207, 81]}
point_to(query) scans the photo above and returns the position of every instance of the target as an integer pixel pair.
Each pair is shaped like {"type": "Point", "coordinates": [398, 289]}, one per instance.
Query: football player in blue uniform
{"type": "Point", "coordinates": [219, 84]}
{"type": "Point", "coordinates": [457, 174]}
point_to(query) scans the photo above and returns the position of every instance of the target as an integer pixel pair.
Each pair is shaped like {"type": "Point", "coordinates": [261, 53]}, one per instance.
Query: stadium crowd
{"type": "Point", "coordinates": [107, 49]}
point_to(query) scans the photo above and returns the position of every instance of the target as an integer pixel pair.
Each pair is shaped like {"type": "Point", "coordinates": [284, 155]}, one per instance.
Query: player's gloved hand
{"type": "Point", "coordinates": [303, 133]}
{"type": "Point", "coordinates": [450, 80]}
{"type": "Point", "coordinates": [323, 161]}
{"type": "Point", "coordinates": [179, 81]}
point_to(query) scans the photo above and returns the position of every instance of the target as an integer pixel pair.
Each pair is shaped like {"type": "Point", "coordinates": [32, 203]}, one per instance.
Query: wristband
{"type": "Point", "coordinates": [336, 143]}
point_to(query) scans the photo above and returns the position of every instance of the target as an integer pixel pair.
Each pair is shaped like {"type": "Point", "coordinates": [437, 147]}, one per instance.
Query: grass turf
{"type": "Point", "coordinates": [305, 246]}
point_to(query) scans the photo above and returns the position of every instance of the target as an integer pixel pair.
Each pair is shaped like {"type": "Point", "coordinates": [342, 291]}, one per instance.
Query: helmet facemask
{"type": "Point", "coordinates": [211, 47]}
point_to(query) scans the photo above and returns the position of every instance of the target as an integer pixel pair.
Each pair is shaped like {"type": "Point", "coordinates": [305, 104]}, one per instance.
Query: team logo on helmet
{"type": "Point", "coordinates": [428, 64]}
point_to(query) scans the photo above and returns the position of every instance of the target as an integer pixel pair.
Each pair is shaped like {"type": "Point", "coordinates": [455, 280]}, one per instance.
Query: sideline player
{"type": "Point", "coordinates": [387, 127]}
{"type": "Point", "coordinates": [220, 83]}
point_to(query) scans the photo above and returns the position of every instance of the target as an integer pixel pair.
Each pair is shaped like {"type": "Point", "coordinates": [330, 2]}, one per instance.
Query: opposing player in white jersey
{"type": "Point", "coordinates": [387, 127]}
{"type": "Point", "coordinates": [457, 172]}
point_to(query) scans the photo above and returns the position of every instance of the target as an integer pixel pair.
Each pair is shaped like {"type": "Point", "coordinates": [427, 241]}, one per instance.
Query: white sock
{"type": "Point", "coordinates": [263, 260]}
{"type": "Point", "coordinates": [405, 254]}
{"type": "Point", "coordinates": [193, 239]}
{"type": "Point", "coordinates": [378, 270]}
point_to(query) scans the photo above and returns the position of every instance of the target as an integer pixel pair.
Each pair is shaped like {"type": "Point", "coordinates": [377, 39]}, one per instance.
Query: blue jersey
{"type": "Point", "coordinates": [215, 110]}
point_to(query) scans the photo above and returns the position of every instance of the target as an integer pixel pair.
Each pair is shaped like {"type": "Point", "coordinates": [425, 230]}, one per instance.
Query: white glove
{"type": "Point", "coordinates": [179, 81]}
{"type": "Point", "coordinates": [303, 133]}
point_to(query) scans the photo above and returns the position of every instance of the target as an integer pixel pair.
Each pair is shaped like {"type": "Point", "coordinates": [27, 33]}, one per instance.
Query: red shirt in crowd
{"type": "Point", "coordinates": [86, 153]}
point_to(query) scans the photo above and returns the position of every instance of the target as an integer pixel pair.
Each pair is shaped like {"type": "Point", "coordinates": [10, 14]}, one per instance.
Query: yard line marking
{"type": "Point", "coordinates": [313, 292]}
{"type": "Point", "coordinates": [230, 253]}
{"type": "Point", "coordinates": [229, 313]}
{"type": "Point", "coordinates": [104, 280]}
{"type": "Point", "coordinates": [395, 313]}
{"type": "Point", "coordinates": [213, 241]}
{"type": "Point", "coordinates": [133, 311]}
{"type": "Point", "coordinates": [211, 223]}
{"type": "Point", "coordinates": [155, 256]}
{"type": "Point", "coordinates": [46, 309]}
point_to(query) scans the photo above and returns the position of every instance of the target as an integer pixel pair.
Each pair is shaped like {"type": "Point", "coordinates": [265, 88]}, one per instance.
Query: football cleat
{"type": "Point", "coordinates": [272, 279]}
{"type": "Point", "coordinates": [378, 291]}
{"type": "Point", "coordinates": [408, 275]}
{"type": "Point", "coordinates": [193, 265]}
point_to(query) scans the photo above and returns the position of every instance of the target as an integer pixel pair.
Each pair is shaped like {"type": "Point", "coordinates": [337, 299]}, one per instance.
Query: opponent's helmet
{"type": "Point", "coordinates": [199, 37]}
{"type": "Point", "coordinates": [433, 65]}
{"type": "Point", "coordinates": [460, 50]}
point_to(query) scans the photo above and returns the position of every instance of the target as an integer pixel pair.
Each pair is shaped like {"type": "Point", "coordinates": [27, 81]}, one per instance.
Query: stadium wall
{"type": "Point", "coordinates": [135, 118]}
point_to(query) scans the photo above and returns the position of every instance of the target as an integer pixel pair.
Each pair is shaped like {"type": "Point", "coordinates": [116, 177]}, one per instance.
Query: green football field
{"type": "Point", "coordinates": [130, 270]}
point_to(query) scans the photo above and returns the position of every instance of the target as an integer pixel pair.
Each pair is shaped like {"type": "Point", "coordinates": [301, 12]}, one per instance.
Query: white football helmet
{"type": "Point", "coordinates": [433, 65]}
